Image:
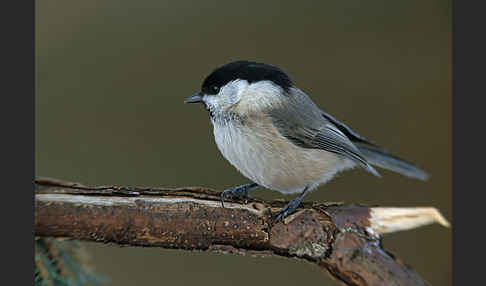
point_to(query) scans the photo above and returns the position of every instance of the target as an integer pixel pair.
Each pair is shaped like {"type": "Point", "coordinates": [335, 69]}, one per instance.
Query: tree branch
{"type": "Point", "coordinates": [342, 239]}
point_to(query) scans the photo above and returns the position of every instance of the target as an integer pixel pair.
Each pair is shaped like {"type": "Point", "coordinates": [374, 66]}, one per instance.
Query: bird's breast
{"type": "Point", "coordinates": [263, 155]}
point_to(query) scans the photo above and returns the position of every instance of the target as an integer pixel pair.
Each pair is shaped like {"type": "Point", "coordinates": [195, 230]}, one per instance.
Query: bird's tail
{"type": "Point", "coordinates": [387, 161]}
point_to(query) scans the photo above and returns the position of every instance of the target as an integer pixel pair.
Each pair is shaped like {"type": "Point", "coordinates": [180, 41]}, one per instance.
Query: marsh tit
{"type": "Point", "coordinates": [277, 137]}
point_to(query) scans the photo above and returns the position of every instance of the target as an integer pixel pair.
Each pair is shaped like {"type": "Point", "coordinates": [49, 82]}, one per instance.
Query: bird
{"type": "Point", "coordinates": [276, 136]}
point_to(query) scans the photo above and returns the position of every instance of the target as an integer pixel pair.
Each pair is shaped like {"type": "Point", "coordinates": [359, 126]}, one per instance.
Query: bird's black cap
{"type": "Point", "coordinates": [245, 70]}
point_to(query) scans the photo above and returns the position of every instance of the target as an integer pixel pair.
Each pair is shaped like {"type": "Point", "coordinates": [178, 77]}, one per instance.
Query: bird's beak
{"type": "Point", "coordinates": [196, 98]}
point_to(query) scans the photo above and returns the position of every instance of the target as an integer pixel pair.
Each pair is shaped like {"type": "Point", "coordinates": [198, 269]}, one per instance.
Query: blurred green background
{"type": "Point", "coordinates": [112, 76]}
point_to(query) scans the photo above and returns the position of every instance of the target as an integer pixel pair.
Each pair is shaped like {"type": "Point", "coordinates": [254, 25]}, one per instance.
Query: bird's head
{"type": "Point", "coordinates": [242, 87]}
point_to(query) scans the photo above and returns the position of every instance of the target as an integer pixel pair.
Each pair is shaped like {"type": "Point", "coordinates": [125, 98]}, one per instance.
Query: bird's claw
{"type": "Point", "coordinates": [289, 209]}
{"type": "Point", "coordinates": [237, 193]}
{"type": "Point", "coordinates": [283, 213]}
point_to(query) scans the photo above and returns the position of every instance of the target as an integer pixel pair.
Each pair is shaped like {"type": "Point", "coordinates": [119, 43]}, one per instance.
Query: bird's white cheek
{"type": "Point", "coordinates": [216, 102]}
{"type": "Point", "coordinates": [210, 101]}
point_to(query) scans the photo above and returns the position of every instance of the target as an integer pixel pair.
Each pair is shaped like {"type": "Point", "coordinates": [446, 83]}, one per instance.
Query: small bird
{"type": "Point", "coordinates": [277, 137]}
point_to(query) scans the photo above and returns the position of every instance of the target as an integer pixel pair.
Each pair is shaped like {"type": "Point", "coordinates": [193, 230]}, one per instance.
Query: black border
{"type": "Point", "coordinates": [17, 117]}
{"type": "Point", "coordinates": [18, 139]}
{"type": "Point", "coordinates": [468, 50]}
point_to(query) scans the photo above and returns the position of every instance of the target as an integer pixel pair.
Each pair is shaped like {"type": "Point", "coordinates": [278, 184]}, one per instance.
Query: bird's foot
{"type": "Point", "coordinates": [238, 193]}
{"type": "Point", "coordinates": [289, 209]}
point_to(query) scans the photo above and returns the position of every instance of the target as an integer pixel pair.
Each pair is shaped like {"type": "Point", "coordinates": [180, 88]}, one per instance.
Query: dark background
{"type": "Point", "coordinates": [112, 76]}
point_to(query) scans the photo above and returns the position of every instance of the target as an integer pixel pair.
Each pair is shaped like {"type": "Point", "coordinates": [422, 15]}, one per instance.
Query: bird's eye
{"type": "Point", "coordinates": [216, 89]}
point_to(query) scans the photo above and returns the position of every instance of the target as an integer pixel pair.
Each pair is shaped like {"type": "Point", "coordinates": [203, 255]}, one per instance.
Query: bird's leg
{"type": "Point", "coordinates": [239, 192]}
{"type": "Point", "coordinates": [291, 207]}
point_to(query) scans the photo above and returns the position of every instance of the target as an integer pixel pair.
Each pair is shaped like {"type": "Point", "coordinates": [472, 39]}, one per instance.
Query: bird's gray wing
{"type": "Point", "coordinates": [351, 134]}
{"type": "Point", "coordinates": [301, 122]}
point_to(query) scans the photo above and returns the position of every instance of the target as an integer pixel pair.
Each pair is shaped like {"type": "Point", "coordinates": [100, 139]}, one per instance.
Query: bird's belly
{"type": "Point", "coordinates": [272, 161]}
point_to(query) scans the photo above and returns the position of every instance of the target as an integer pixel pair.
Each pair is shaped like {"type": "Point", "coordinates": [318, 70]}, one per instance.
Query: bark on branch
{"type": "Point", "coordinates": [342, 239]}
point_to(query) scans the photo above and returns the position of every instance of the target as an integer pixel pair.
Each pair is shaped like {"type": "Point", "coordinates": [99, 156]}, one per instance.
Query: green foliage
{"type": "Point", "coordinates": [62, 263]}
